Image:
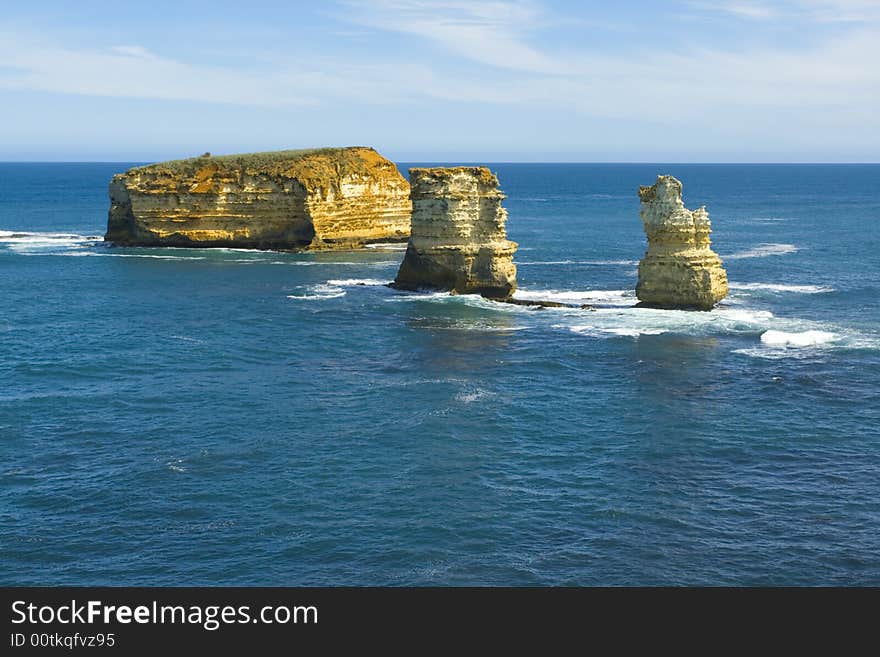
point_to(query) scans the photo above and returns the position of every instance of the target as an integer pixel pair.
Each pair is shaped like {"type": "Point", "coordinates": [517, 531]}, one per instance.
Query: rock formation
{"type": "Point", "coordinates": [679, 269]}
{"type": "Point", "coordinates": [458, 239]}
{"type": "Point", "coordinates": [320, 198]}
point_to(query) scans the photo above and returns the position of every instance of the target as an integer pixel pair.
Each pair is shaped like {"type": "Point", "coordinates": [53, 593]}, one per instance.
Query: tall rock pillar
{"type": "Point", "coordinates": [458, 240]}
{"type": "Point", "coordinates": [679, 269]}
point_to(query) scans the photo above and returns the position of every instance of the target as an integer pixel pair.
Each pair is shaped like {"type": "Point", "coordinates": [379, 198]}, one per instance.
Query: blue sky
{"type": "Point", "coordinates": [444, 80]}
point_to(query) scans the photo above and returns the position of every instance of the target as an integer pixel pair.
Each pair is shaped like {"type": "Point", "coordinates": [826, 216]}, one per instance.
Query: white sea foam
{"type": "Point", "coordinates": [319, 292]}
{"type": "Point", "coordinates": [10, 236]}
{"type": "Point", "coordinates": [471, 396]}
{"type": "Point", "coordinates": [186, 338]}
{"type": "Point", "coordinates": [406, 296]}
{"type": "Point", "coordinates": [739, 315]}
{"type": "Point", "coordinates": [131, 255]}
{"type": "Point", "coordinates": [762, 251]}
{"type": "Point", "coordinates": [30, 243]}
{"type": "Point", "coordinates": [318, 263]}
{"type": "Point", "coordinates": [780, 287]}
{"type": "Point", "coordinates": [621, 298]}
{"type": "Point", "coordinates": [776, 344]}
{"type": "Point", "coordinates": [348, 282]}
{"type": "Point", "coordinates": [613, 315]}
{"type": "Point", "coordinates": [73, 244]}
{"type": "Point", "coordinates": [797, 339]}
{"type": "Point", "coordinates": [634, 322]}
{"type": "Point", "coordinates": [631, 332]}
{"type": "Point", "coordinates": [546, 262]}
{"type": "Point", "coordinates": [388, 246]}
{"type": "Point", "coordinates": [237, 250]}
{"type": "Point", "coordinates": [328, 263]}
{"type": "Point", "coordinates": [629, 263]}
{"type": "Point", "coordinates": [598, 263]}
{"type": "Point", "coordinates": [176, 465]}
{"type": "Point", "coordinates": [622, 331]}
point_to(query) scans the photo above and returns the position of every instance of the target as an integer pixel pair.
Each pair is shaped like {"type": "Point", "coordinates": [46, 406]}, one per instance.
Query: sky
{"type": "Point", "coordinates": [443, 80]}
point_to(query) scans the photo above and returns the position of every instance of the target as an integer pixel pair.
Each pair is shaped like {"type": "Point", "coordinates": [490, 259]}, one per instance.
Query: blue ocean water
{"type": "Point", "coordinates": [174, 417]}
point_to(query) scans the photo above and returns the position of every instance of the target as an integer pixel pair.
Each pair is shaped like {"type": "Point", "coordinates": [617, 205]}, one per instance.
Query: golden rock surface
{"type": "Point", "coordinates": [679, 269]}
{"type": "Point", "coordinates": [316, 199]}
{"type": "Point", "coordinates": [458, 241]}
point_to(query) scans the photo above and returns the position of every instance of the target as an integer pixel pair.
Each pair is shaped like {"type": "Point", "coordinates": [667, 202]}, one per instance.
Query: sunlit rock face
{"type": "Point", "coordinates": [458, 241]}
{"type": "Point", "coordinates": [679, 269]}
{"type": "Point", "coordinates": [315, 199]}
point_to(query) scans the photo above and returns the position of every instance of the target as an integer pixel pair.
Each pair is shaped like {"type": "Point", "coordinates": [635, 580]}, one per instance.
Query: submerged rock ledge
{"type": "Point", "coordinates": [325, 198]}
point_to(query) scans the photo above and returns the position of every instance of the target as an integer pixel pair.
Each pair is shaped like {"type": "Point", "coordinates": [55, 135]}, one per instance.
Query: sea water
{"type": "Point", "coordinates": [223, 416]}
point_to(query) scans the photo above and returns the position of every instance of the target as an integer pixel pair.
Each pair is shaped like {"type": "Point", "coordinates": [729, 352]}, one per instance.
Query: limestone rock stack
{"type": "Point", "coordinates": [679, 269]}
{"type": "Point", "coordinates": [319, 198]}
{"type": "Point", "coordinates": [458, 239]}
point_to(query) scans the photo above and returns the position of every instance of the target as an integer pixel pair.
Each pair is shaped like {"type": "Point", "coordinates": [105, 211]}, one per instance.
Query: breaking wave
{"type": "Point", "coordinates": [623, 331]}
{"type": "Point", "coordinates": [348, 282]}
{"type": "Point", "coordinates": [592, 297]}
{"type": "Point", "coordinates": [780, 287]}
{"type": "Point", "coordinates": [76, 245]}
{"type": "Point", "coordinates": [613, 315]}
{"type": "Point", "coordinates": [131, 255]}
{"type": "Point", "coordinates": [764, 220]}
{"type": "Point", "coordinates": [319, 292]}
{"type": "Point", "coordinates": [632, 322]}
{"type": "Point", "coordinates": [598, 263]}
{"type": "Point", "coordinates": [801, 339]}
{"type": "Point", "coordinates": [39, 243]}
{"type": "Point", "coordinates": [388, 246]}
{"type": "Point", "coordinates": [762, 251]}
{"type": "Point", "coordinates": [771, 336]}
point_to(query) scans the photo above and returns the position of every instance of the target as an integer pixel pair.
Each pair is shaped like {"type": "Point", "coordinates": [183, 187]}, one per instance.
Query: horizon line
{"type": "Point", "coordinates": [470, 161]}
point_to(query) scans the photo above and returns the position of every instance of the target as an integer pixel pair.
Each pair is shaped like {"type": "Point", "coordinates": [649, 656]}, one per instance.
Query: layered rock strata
{"type": "Point", "coordinates": [319, 198]}
{"type": "Point", "coordinates": [679, 269]}
{"type": "Point", "coordinates": [458, 240]}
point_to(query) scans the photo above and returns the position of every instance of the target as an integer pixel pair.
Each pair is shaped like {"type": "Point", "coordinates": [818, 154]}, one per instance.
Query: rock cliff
{"type": "Point", "coordinates": [458, 239]}
{"type": "Point", "coordinates": [320, 198]}
{"type": "Point", "coordinates": [679, 269]}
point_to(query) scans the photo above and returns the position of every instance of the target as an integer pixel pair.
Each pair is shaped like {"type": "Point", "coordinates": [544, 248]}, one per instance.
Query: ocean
{"type": "Point", "coordinates": [224, 417]}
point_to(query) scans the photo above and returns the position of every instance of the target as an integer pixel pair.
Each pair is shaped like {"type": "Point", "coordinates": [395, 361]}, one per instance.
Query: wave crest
{"type": "Point", "coordinates": [797, 339]}
{"type": "Point", "coordinates": [762, 251]}
{"type": "Point", "coordinates": [781, 287]}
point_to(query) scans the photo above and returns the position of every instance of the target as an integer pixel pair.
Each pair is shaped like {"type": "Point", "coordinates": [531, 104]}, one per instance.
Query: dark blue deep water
{"type": "Point", "coordinates": [229, 417]}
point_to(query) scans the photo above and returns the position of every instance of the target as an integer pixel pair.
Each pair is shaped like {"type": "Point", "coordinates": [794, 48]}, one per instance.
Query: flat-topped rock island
{"type": "Point", "coordinates": [327, 198]}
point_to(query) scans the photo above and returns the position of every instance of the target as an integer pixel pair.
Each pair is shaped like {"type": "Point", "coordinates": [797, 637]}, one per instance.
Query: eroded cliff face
{"type": "Point", "coordinates": [321, 198]}
{"type": "Point", "coordinates": [458, 240]}
{"type": "Point", "coordinates": [679, 269]}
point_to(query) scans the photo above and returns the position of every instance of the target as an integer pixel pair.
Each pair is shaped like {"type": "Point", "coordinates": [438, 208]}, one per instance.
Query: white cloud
{"type": "Point", "coordinates": [756, 11]}
{"type": "Point", "coordinates": [797, 11]}
{"type": "Point", "coordinates": [490, 33]}
{"type": "Point", "coordinates": [818, 89]}
{"type": "Point", "coordinates": [680, 82]}
{"type": "Point", "coordinates": [134, 72]}
{"type": "Point", "coordinates": [133, 51]}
